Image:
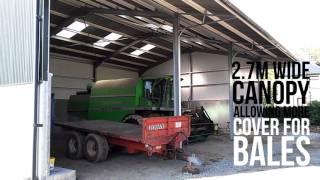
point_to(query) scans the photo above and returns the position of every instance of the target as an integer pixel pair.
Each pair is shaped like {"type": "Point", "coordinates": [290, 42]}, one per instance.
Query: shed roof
{"type": "Point", "coordinates": [207, 25]}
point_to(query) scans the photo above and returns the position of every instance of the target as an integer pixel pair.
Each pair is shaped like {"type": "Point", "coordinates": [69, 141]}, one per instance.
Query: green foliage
{"type": "Point", "coordinates": [315, 112]}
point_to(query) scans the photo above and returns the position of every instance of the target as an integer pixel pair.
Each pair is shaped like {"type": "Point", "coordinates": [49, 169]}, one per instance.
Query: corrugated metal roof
{"type": "Point", "coordinates": [208, 25]}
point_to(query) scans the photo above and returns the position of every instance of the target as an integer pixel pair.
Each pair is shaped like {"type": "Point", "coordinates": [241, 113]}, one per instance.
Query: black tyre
{"type": "Point", "coordinates": [134, 119]}
{"type": "Point", "coordinates": [74, 145]}
{"type": "Point", "coordinates": [96, 148]}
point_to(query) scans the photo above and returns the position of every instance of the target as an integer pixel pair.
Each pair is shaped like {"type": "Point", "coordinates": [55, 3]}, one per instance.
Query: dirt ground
{"type": "Point", "coordinates": [216, 154]}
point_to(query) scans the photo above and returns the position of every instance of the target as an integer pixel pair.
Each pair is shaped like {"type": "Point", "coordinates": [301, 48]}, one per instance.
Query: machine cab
{"type": "Point", "coordinates": [159, 91]}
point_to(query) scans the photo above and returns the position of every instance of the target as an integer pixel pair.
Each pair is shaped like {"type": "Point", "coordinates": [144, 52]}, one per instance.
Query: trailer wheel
{"type": "Point", "coordinates": [74, 145]}
{"type": "Point", "coordinates": [134, 119]}
{"type": "Point", "coordinates": [96, 148]}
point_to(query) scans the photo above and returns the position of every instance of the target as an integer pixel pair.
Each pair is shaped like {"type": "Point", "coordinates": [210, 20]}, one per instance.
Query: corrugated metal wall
{"type": "Point", "coordinates": [72, 76]}
{"type": "Point", "coordinates": [17, 89]}
{"type": "Point", "coordinates": [17, 45]}
{"type": "Point", "coordinates": [209, 73]}
{"type": "Point", "coordinates": [205, 82]}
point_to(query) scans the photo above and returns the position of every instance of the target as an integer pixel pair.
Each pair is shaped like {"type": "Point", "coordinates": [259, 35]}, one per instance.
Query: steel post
{"type": "Point", "coordinates": [231, 105]}
{"type": "Point", "coordinates": [176, 66]}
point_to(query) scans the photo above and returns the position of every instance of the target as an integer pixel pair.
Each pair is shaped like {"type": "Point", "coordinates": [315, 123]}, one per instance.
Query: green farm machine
{"type": "Point", "coordinates": [129, 100]}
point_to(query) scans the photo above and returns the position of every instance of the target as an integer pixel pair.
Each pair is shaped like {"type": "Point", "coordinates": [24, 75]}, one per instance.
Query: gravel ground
{"type": "Point", "coordinates": [216, 153]}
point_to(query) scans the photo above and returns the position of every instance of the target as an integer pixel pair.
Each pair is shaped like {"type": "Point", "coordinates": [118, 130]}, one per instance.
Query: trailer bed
{"type": "Point", "coordinates": [107, 128]}
{"type": "Point", "coordinates": [157, 135]}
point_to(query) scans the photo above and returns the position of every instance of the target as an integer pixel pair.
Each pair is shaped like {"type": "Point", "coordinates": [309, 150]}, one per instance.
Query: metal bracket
{"type": "Point", "coordinates": [38, 125]}
{"type": "Point", "coordinates": [39, 18]}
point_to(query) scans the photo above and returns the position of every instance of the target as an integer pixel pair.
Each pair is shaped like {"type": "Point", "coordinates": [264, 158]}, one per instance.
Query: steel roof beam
{"type": "Point", "coordinates": [94, 24]}
{"type": "Point", "coordinates": [102, 48]}
{"type": "Point", "coordinates": [97, 55]}
{"type": "Point", "coordinates": [141, 20]}
{"type": "Point", "coordinates": [222, 35]}
{"type": "Point", "coordinates": [98, 63]}
{"type": "Point", "coordinates": [186, 44]}
{"type": "Point", "coordinates": [130, 13]}
{"type": "Point", "coordinates": [118, 43]}
{"type": "Point", "coordinates": [215, 18]}
{"type": "Point", "coordinates": [252, 25]}
{"type": "Point", "coordinates": [75, 14]}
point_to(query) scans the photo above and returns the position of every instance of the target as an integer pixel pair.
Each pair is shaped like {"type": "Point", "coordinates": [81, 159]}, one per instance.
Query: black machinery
{"type": "Point", "coordinates": [201, 124]}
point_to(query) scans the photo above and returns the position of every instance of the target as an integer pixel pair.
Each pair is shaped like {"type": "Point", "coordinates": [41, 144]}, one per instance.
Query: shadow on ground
{"type": "Point", "coordinates": [216, 153]}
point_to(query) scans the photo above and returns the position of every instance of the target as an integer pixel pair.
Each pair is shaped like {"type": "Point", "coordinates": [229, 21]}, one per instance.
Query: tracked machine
{"type": "Point", "coordinates": [130, 100]}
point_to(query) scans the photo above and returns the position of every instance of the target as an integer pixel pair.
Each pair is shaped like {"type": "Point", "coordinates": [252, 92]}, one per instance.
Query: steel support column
{"type": "Point", "coordinates": [176, 66]}
{"type": "Point", "coordinates": [94, 71]}
{"type": "Point", "coordinates": [231, 105]}
{"type": "Point", "coordinates": [191, 76]}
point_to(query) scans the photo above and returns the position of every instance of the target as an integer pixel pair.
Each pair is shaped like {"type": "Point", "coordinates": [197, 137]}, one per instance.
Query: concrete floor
{"type": "Point", "coordinates": [216, 153]}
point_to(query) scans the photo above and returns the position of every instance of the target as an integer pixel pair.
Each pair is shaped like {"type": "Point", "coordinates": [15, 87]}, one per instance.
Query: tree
{"type": "Point", "coordinates": [315, 55]}
{"type": "Point", "coordinates": [308, 54]}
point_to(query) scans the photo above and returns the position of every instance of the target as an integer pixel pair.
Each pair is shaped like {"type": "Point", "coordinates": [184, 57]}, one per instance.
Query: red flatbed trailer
{"type": "Point", "coordinates": [157, 135]}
